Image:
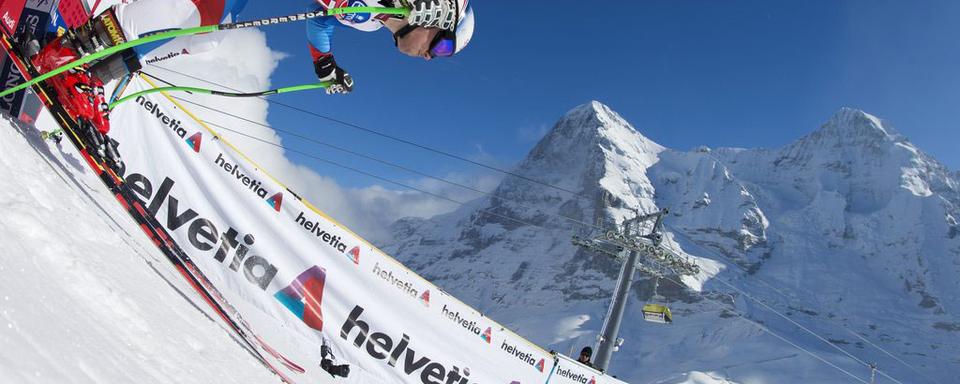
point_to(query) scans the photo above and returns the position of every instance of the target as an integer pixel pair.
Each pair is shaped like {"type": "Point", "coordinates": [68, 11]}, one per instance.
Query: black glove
{"type": "Point", "coordinates": [327, 70]}
{"type": "Point", "coordinates": [441, 14]}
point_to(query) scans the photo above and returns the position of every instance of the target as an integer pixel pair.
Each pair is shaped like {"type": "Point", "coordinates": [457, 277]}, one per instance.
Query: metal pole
{"type": "Point", "coordinates": [611, 327]}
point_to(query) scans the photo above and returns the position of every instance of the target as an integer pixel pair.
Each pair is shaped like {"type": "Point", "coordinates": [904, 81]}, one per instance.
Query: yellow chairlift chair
{"type": "Point", "coordinates": [657, 313]}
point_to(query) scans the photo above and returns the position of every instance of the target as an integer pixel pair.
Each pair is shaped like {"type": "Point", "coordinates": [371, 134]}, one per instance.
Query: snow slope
{"type": "Point", "coordinates": [84, 297]}
{"type": "Point", "coordinates": [850, 232]}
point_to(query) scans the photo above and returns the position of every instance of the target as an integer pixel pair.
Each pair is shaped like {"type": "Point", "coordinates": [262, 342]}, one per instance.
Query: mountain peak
{"type": "Point", "coordinates": [593, 105]}
{"type": "Point", "coordinates": [589, 143]}
{"type": "Point", "coordinates": [854, 123]}
{"type": "Point", "coordinates": [595, 122]}
{"type": "Point", "coordinates": [589, 115]}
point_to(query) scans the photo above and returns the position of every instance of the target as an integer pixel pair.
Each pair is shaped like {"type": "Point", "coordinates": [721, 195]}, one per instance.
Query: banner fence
{"type": "Point", "coordinates": [300, 279]}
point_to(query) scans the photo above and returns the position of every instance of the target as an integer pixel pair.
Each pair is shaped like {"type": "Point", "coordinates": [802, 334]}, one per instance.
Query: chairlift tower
{"type": "Point", "coordinates": [637, 251]}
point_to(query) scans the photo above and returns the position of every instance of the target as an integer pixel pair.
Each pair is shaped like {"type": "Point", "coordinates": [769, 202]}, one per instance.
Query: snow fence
{"type": "Point", "coordinates": [296, 278]}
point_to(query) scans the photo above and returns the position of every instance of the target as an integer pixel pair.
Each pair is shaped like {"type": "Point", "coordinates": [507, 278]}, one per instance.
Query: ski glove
{"type": "Point", "coordinates": [441, 14]}
{"type": "Point", "coordinates": [327, 70]}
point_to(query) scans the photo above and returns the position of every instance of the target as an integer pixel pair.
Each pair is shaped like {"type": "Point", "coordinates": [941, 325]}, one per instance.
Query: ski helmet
{"type": "Point", "coordinates": [449, 43]}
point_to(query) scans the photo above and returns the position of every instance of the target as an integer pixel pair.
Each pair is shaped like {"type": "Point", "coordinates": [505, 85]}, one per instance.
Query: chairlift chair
{"type": "Point", "coordinates": [657, 313]}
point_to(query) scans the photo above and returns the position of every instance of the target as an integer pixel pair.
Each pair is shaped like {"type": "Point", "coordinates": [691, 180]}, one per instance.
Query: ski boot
{"type": "Point", "coordinates": [113, 157]}
{"type": "Point", "coordinates": [80, 90]}
{"type": "Point", "coordinates": [103, 146]}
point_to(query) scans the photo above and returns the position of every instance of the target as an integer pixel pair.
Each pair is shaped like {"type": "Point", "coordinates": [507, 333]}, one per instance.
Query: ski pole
{"type": "Point", "coordinates": [205, 91]}
{"type": "Point", "coordinates": [204, 29]}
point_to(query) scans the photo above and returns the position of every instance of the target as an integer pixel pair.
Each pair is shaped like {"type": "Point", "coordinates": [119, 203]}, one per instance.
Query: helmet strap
{"type": "Point", "coordinates": [402, 32]}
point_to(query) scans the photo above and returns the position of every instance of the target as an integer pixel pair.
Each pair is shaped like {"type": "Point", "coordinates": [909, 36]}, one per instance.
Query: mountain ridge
{"type": "Point", "coordinates": [800, 216]}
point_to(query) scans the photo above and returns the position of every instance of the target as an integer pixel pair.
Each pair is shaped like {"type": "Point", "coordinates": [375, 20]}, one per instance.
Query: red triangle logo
{"type": "Point", "coordinates": [276, 201]}
{"type": "Point", "coordinates": [354, 255]}
{"type": "Point", "coordinates": [194, 141]}
{"type": "Point", "coordinates": [425, 298]}
{"type": "Point", "coordinates": [540, 365]}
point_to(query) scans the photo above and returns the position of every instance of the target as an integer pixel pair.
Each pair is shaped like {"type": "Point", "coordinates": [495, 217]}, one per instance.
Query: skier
{"type": "Point", "coordinates": [434, 28]}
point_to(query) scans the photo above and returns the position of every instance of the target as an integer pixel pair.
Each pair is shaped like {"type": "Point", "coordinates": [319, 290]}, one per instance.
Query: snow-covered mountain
{"type": "Point", "coordinates": [851, 232]}
{"type": "Point", "coordinates": [85, 297]}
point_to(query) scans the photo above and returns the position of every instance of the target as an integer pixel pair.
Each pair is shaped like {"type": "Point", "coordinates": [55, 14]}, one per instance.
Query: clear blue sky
{"type": "Point", "coordinates": [685, 73]}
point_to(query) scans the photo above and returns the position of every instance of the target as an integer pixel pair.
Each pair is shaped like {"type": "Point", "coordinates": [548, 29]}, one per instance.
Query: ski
{"type": "Point", "coordinates": [110, 174]}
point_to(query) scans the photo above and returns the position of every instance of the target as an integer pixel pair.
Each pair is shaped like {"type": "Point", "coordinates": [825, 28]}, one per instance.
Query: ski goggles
{"type": "Point", "coordinates": [444, 44]}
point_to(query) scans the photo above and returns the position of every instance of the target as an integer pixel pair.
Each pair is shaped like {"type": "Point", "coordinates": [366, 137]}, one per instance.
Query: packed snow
{"type": "Point", "coordinates": [85, 297]}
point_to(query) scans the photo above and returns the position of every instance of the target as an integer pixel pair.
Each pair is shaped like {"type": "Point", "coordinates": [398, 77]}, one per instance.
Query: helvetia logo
{"type": "Point", "coordinates": [154, 110]}
{"type": "Point", "coordinates": [469, 325]}
{"type": "Point", "coordinates": [328, 238]}
{"type": "Point", "coordinates": [157, 59]}
{"type": "Point", "coordinates": [254, 185]}
{"type": "Point", "coordinates": [354, 255]}
{"type": "Point", "coordinates": [202, 233]}
{"type": "Point", "coordinates": [194, 141]}
{"type": "Point", "coordinates": [404, 286]}
{"type": "Point", "coordinates": [275, 201]}
{"type": "Point", "coordinates": [304, 295]}
{"type": "Point", "coordinates": [574, 376]}
{"type": "Point", "coordinates": [525, 357]}
{"type": "Point", "coordinates": [400, 352]}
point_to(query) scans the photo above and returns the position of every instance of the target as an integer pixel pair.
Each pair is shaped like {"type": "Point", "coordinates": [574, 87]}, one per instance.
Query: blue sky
{"type": "Point", "coordinates": [685, 73]}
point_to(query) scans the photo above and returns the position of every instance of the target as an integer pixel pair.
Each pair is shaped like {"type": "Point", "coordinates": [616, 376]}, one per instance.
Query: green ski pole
{"type": "Point", "coordinates": [305, 87]}
{"type": "Point", "coordinates": [204, 29]}
{"type": "Point", "coordinates": [205, 91]}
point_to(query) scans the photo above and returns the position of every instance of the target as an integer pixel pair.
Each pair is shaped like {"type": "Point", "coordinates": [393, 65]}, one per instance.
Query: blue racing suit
{"type": "Point", "coordinates": [320, 30]}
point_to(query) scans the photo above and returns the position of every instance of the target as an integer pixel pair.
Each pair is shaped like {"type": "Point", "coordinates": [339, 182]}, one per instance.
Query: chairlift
{"type": "Point", "coordinates": [657, 313]}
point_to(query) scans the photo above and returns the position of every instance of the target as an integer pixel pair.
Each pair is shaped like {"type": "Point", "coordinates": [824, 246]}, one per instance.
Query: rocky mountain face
{"type": "Point", "coordinates": [851, 232]}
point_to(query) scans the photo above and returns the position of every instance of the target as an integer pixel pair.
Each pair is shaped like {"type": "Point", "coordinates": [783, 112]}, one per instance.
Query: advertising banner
{"type": "Point", "coordinates": [10, 13]}
{"type": "Point", "coordinates": [569, 371]}
{"type": "Point", "coordinates": [300, 279]}
{"type": "Point", "coordinates": [36, 18]}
